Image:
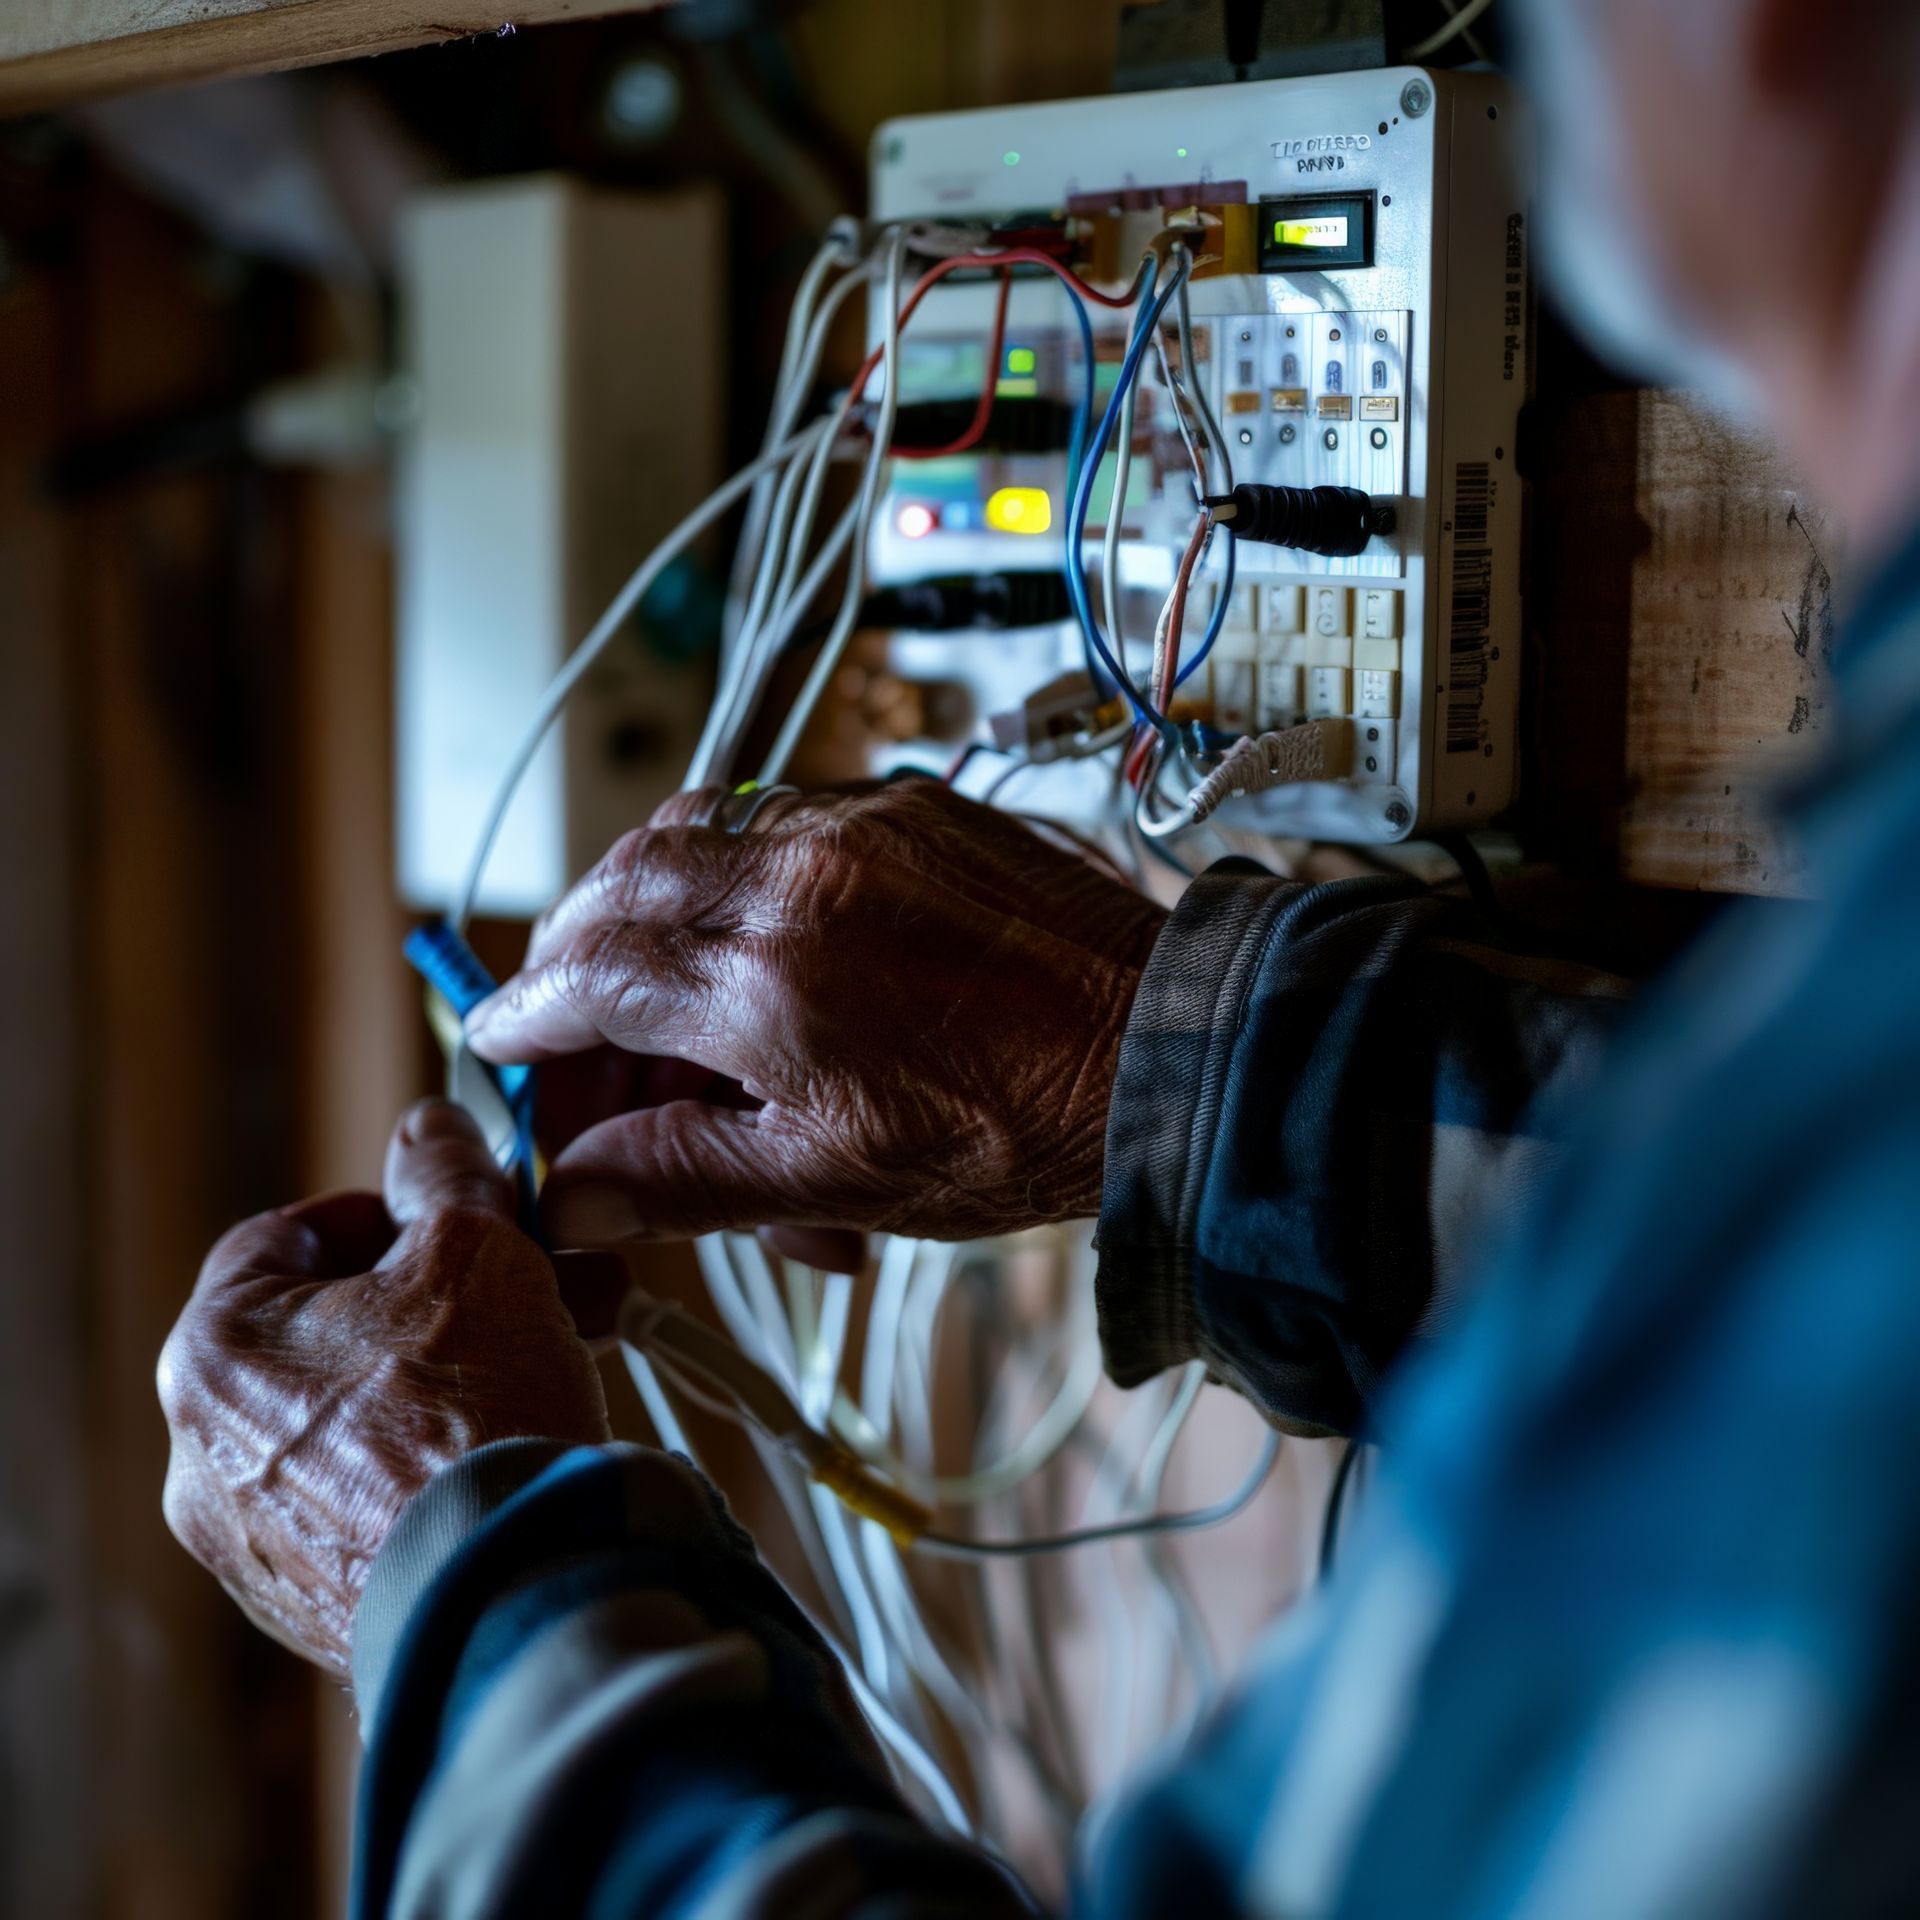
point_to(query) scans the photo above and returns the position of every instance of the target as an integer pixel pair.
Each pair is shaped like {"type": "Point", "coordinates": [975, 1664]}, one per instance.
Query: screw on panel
{"type": "Point", "coordinates": [1399, 815]}
{"type": "Point", "coordinates": [1415, 98]}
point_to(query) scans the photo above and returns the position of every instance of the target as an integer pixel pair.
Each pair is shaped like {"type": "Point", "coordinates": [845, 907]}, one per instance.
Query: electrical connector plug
{"type": "Point", "coordinates": [1336, 521]}
{"type": "Point", "coordinates": [1320, 750]}
{"type": "Point", "coordinates": [1049, 720]}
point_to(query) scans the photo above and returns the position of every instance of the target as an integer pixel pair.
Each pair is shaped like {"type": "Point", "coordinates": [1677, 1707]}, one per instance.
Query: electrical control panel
{"type": "Point", "coordinates": [1360, 314]}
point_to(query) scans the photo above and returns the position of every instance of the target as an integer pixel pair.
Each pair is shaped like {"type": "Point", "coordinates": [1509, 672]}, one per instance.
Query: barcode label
{"type": "Point", "coordinates": [1468, 631]}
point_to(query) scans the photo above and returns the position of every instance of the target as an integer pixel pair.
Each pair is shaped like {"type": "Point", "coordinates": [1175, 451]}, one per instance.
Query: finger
{"type": "Point", "coordinates": [320, 1239]}
{"type": "Point", "coordinates": [831, 1249]}
{"type": "Point", "coordinates": [703, 806]}
{"type": "Point", "coordinates": [674, 1172]}
{"type": "Point", "coordinates": [646, 989]}
{"type": "Point", "coordinates": [692, 808]}
{"type": "Point", "coordinates": [673, 875]}
{"type": "Point", "coordinates": [437, 1162]}
{"type": "Point", "coordinates": [594, 1287]}
{"type": "Point", "coordinates": [580, 1090]}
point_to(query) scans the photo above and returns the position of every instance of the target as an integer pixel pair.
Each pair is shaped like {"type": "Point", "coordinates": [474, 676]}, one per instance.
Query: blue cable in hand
{"type": "Point", "coordinates": [454, 971]}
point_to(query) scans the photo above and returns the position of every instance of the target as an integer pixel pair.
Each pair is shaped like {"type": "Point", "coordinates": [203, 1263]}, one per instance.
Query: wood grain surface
{"type": "Point", "coordinates": [53, 52]}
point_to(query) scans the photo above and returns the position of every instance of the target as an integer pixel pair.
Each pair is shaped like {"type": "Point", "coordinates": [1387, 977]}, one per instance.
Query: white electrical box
{"type": "Point", "coordinates": [568, 347]}
{"type": "Point", "coordinates": [1364, 322]}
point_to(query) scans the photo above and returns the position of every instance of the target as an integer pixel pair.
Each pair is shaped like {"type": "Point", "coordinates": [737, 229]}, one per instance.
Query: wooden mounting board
{"type": "Point", "coordinates": [1683, 608]}
{"type": "Point", "coordinates": [54, 52]}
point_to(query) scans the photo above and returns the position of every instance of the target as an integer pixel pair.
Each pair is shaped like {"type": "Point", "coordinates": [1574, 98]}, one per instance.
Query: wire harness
{"type": "Point", "coordinates": [934, 1558]}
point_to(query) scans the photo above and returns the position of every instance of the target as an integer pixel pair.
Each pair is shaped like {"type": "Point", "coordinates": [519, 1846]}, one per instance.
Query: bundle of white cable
{"type": "Point", "coordinates": [950, 1713]}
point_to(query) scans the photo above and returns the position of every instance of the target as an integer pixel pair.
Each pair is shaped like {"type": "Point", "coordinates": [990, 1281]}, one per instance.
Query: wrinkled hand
{"type": "Point", "coordinates": [920, 1001]}
{"type": "Point", "coordinates": [336, 1354]}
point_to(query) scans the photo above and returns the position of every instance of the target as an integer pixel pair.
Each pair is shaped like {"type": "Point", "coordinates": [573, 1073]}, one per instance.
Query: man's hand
{"type": "Point", "coordinates": [336, 1354]}
{"type": "Point", "coordinates": [919, 1001]}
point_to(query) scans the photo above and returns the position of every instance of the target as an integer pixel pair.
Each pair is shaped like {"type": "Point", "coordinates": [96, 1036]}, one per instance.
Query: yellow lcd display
{"type": "Point", "coordinates": [1329, 230]}
{"type": "Point", "coordinates": [1319, 230]}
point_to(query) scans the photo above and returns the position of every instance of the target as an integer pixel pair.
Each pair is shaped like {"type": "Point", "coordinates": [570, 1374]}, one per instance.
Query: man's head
{"type": "Point", "coordinates": [1731, 200]}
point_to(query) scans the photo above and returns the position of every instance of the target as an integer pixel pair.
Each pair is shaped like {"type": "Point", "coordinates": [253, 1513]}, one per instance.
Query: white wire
{"type": "Point", "coordinates": [1111, 1481]}
{"type": "Point", "coordinates": [1042, 1441]}
{"type": "Point", "coordinates": [666, 1424]}
{"type": "Point", "coordinates": [884, 1637]}
{"type": "Point", "coordinates": [906, 1748]}
{"type": "Point", "coordinates": [833, 252]}
{"type": "Point", "coordinates": [1458, 25]}
{"type": "Point", "coordinates": [776, 537]}
{"type": "Point", "coordinates": [1170, 824]}
{"type": "Point", "coordinates": [590, 649]}
{"type": "Point", "coordinates": [821, 1373]}
{"type": "Point", "coordinates": [731, 715]}
{"type": "Point", "coordinates": [1471, 38]}
{"type": "Point", "coordinates": [946, 1546]}
{"type": "Point", "coordinates": [792, 390]}
{"type": "Point", "coordinates": [1189, 1630]}
{"type": "Point", "coordinates": [1190, 367]}
{"type": "Point", "coordinates": [835, 643]}
{"type": "Point", "coordinates": [913, 1382]}
{"type": "Point", "coordinates": [1177, 400]}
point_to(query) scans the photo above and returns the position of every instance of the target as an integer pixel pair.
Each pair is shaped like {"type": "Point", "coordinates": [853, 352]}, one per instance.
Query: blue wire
{"type": "Point", "coordinates": [1082, 505]}
{"type": "Point", "coordinates": [1076, 452]}
{"type": "Point", "coordinates": [1083, 413]}
{"type": "Point", "coordinates": [1219, 619]}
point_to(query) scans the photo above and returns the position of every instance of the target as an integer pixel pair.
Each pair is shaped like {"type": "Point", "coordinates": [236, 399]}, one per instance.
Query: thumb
{"type": "Point", "coordinates": [672, 1173]}
{"type": "Point", "coordinates": [438, 1161]}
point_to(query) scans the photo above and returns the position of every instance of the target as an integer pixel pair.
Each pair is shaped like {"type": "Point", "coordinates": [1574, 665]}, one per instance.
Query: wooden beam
{"type": "Point", "coordinates": [1684, 597]}
{"type": "Point", "coordinates": [55, 52]}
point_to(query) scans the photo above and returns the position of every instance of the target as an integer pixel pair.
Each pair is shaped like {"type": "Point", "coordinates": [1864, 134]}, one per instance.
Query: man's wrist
{"type": "Point", "coordinates": [1167, 1089]}
{"type": "Point", "coordinates": [430, 1532]}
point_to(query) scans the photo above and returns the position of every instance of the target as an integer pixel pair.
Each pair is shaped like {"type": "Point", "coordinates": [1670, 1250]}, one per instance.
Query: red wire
{"type": "Point", "coordinates": [1177, 614]}
{"type": "Point", "coordinates": [1170, 662]}
{"type": "Point", "coordinates": [1014, 256]}
{"type": "Point", "coordinates": [983, 413]}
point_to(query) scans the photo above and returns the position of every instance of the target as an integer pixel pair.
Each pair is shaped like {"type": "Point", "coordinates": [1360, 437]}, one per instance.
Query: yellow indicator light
{"type": "Point", "coordinates": [1022, 360]}
{"type": "Point", "coordinates": [1328, 231]}
{"type": "Point", "coordinates": [1020, 510]}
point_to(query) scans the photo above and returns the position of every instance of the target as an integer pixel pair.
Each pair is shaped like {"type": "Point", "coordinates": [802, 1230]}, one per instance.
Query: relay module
{"type": "Point", "coordinates": [1356, 252]}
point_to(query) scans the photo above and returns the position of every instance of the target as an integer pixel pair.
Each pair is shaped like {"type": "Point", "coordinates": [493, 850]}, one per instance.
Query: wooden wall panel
{"type": "Point", "coordinates": [45, 1762]}
{"type": "Point", "coordinates": [1684, 586]}
{"type": "Point", "coordinates": [359, 1032]}
{"type": "Point", "coordinates": [199, 1741]}
{"type": "Point", "coordinates": [53, 52]}
{"type": "Point", "coordinates": [154, 1750]}
{"type": "Point", "coordinates": [1729, 682]}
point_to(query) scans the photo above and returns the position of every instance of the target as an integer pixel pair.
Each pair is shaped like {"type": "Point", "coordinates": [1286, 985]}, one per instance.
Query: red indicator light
{"type": "Point", "coordinates": [916, 520]}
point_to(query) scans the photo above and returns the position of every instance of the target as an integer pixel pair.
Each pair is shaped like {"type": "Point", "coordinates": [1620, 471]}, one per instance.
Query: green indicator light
{"type": "Point", "coordinates": [1022, 360]}
{"type": "Point", "coordinates": [1009, 159]}
{"type": "Point", "coordinates": [1179, 153]}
